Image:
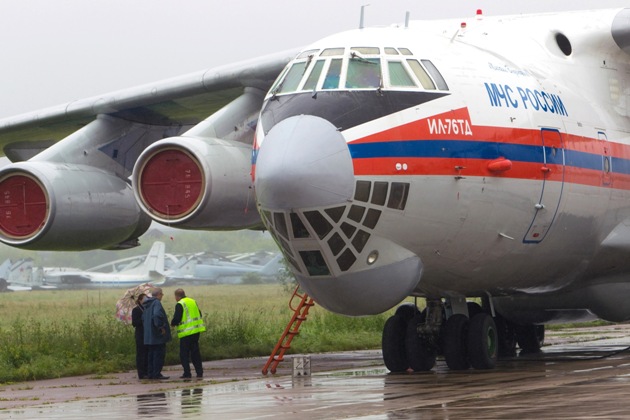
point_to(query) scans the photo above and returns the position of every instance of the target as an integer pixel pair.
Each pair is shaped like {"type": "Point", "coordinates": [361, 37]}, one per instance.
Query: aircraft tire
{"type": "Point", "coordinates": [473, 309]}
{"type": "Point", "coordinates": [3, 285]}
{"type": "Point", "coordinates": [456, 342]}
{"type": "Point", "coordinates": [507, 337]}
{"type": "Point", "coordinates": [393, 344]}
{"type": "Point", "coordinates": [530, 338]}
{"type": "Point", "coordinates": [420, 354]}
{"type": "Point", "coordinates": [483, 342]}
{"type": "Point", "coordinates": [407, 311]}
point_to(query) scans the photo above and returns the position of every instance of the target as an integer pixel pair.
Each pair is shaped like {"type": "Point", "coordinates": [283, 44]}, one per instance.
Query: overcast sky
{"type": "Point", "coordinates": [55, 51]}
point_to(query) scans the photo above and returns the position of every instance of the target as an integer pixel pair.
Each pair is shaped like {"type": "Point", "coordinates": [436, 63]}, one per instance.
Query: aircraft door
{"type": "Point", "coordinates": [553, 181]}
{"type": "Point", "coordinates": [606, 159]}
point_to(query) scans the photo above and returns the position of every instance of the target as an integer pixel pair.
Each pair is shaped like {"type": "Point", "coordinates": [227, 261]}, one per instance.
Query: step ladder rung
{"type": "Point", "coordinates": [292, 329]}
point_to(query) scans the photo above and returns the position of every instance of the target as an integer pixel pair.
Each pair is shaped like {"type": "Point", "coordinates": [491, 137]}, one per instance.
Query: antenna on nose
{"type": "Point", "coordinates": [361, 25]}
{"type": "Point", "coordinates": [407, 19]}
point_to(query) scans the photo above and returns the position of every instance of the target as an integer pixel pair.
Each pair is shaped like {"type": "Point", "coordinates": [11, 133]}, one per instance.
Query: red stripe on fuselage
{"type": "Point", "coordinates": [454, 167]}
{"type": "Point", "coordinates": [456, 125]}
{"type": "Point", "coordinates": [453, 123]}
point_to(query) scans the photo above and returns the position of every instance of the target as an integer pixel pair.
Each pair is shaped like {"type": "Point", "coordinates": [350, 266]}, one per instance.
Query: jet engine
{"type": "Point", "coordinates": [197, 183]}
{"type": "Point", "coordinates": [57, 206]}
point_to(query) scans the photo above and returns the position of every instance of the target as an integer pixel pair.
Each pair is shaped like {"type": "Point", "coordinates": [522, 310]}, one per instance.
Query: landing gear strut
{"type": "Point", "coordinates": [530, 338]}
{"type": "Point", "coordinates": [413, 339]}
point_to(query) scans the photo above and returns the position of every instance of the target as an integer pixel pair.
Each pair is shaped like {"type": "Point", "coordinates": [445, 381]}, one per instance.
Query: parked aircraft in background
{"type": "Point", "coordinates": [200, 270]}
{"type": "Point", "coordinates": [127, 263]}
{"type": "Point", "coordinates": [482, 158]}
{"type": "Point", "coordinates": [150, 270]}
{"type": "Point", "coordinates": [16, 276]}
{"type": "Point", "coordinates": [251, 258]}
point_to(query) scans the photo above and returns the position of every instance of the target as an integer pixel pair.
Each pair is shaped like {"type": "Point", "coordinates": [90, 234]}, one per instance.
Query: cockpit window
{"type": "Point", "coordinates": [334, 73]}
{"type": "Point", "coordinates": [313, 77]}
{"type": "Point", "coordinates": [421, 74]}
{"type": "Point", "coordinates": [363, 73]}
{"type": "Point", "coordinates": [366, 50]}
{"type": "Point", "coordinates": [398, 75]}
{"type": "Point", "coordinates": [293, 77]}
{"type": "Point", "coordinates": [305, 54]}
{"type": "Point", "coordinates": [433, 71]}
{"type": "Point", "coordinates": [332, 51]}
{"type": "Point", "coordinates": [274, 87]}
{"type": "Point", "coordinates": [363, 67]}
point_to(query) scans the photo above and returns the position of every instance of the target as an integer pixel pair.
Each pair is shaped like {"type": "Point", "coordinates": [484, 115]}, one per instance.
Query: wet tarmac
{"type": "Point", "coordinates": [581, 375]}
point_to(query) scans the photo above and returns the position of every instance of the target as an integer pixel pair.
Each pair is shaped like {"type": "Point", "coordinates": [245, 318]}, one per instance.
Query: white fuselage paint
{"type": "Point", "coordinates": [532, 230]}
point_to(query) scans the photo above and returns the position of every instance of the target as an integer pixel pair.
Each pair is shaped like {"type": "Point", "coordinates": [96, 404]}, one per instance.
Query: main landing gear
{"type": "Point", "coordinates": [413, 339]}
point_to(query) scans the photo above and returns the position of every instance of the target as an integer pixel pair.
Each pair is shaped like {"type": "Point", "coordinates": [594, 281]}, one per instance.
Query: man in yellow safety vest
{"type": "Point", "coordinates": [187, 319]}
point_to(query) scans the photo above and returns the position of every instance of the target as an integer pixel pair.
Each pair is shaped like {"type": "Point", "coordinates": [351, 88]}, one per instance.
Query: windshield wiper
{"type": "Point", "coordinates": [355, 56]}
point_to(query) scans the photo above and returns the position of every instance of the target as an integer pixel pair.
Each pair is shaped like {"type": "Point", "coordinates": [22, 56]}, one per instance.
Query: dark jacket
{"type": "Point", "coordinates": [136, 321]}
{"type": "Point", "coordinates": [155, 322]}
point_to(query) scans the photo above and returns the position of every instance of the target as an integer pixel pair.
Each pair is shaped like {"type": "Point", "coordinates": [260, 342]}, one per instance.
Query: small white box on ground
{"type": "Point", "coordinates": [302, 366]}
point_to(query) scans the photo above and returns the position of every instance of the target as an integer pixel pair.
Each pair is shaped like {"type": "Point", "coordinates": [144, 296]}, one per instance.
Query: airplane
{"type": "Point", "coordinates": [150, 270]}
{"type": "Point", "coordinates": [127, 263]}
{"type": "Point", "coordinates": [17, 276]}
{"type": "Point", "coordinates": [251, 258]}
{"type": "Point", "coordinates": [479, 165]}
{"type": "Point", "coordinates": [203, 271]}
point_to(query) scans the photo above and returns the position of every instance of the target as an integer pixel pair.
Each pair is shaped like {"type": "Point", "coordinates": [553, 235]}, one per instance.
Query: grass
{"type": "Point", "coordinates": [48, 334]}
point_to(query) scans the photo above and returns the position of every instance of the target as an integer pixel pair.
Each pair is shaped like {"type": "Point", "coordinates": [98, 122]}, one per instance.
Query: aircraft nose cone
{"type": "Point", "coordinates": [303, 162]}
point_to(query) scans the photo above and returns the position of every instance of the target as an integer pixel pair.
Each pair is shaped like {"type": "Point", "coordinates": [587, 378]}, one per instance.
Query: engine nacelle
{"type": "Point", "coordinates": [197, 183]}
{"type": "Point", "coordinates": [56, 206]}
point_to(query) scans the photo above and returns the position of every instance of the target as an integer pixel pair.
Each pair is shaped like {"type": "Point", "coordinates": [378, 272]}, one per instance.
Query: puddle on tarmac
{"type": "Point", "coordinates": [527, 389]}
{"type": "Point", "coordinates": [198, 401]}
{"type": "Point", "coordinates": [185, 403]}
{"type": "Point", "coordinates": [368, 372]}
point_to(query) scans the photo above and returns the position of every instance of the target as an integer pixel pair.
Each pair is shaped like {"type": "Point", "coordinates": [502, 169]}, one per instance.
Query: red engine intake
{"type": "Point", "coordinates": [24, 207]}
{"type": "Point", "coordinates": [196, 183]}
{"type": "Point", "coordinates": [54, 206]}
{"type": "Point", "coordinates": [172, 183]}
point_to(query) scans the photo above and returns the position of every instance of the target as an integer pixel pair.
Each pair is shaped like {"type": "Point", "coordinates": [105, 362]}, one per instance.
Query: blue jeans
{"type": "Point", "coordinates": [156, 355]}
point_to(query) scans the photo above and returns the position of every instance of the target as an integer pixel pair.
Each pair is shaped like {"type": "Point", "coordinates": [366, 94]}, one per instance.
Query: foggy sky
{"type": "Point", "coordinates": [56, 51]}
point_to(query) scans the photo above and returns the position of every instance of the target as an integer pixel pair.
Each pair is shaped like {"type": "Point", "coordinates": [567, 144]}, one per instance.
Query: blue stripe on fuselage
{"type": "Point", "coordinates": [467, 149]}
{"type": "Point", "coordinates": [446, 149]}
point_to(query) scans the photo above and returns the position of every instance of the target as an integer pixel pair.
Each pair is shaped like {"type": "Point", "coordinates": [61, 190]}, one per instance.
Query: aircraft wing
{"type": "Point", "coordinates": [69, 187]}
{"type": "Point", "coordinates": [180, 101]}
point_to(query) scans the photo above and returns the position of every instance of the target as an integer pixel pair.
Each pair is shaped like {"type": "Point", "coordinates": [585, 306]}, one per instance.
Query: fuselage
{"type": "Point", "coordinates": [445, 160]}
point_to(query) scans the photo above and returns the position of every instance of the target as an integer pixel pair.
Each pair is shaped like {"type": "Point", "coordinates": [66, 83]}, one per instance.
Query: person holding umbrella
{"type": "Point", "coordinates": [142, 360]}
{"type": "Point", "coordinates": [157, 332]}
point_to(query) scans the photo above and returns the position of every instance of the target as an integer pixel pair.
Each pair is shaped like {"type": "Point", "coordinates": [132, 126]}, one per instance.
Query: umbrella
{"type": "Point", "coordinates": [125, 304]}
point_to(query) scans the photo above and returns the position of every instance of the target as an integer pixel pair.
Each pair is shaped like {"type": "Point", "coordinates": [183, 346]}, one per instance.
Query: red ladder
{"type": "Point", "coordinates": [299, 314]}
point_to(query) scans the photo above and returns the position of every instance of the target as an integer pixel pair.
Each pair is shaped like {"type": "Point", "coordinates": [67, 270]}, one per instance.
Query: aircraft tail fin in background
{"type": "Point", "coordinates": [273, 266]}
{"type": "Point", "coordinates": [5, 269]}
{"type": "Point", "coordinates": [20, 271]}
{"type": "Point", "coordinates": [184, 267]}
{"type": "Point", "coordinates": [154, 262]}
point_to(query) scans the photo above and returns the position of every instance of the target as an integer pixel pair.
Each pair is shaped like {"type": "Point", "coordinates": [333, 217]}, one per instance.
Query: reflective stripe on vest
{"type": "Point", "coordinates": [191, 319]}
